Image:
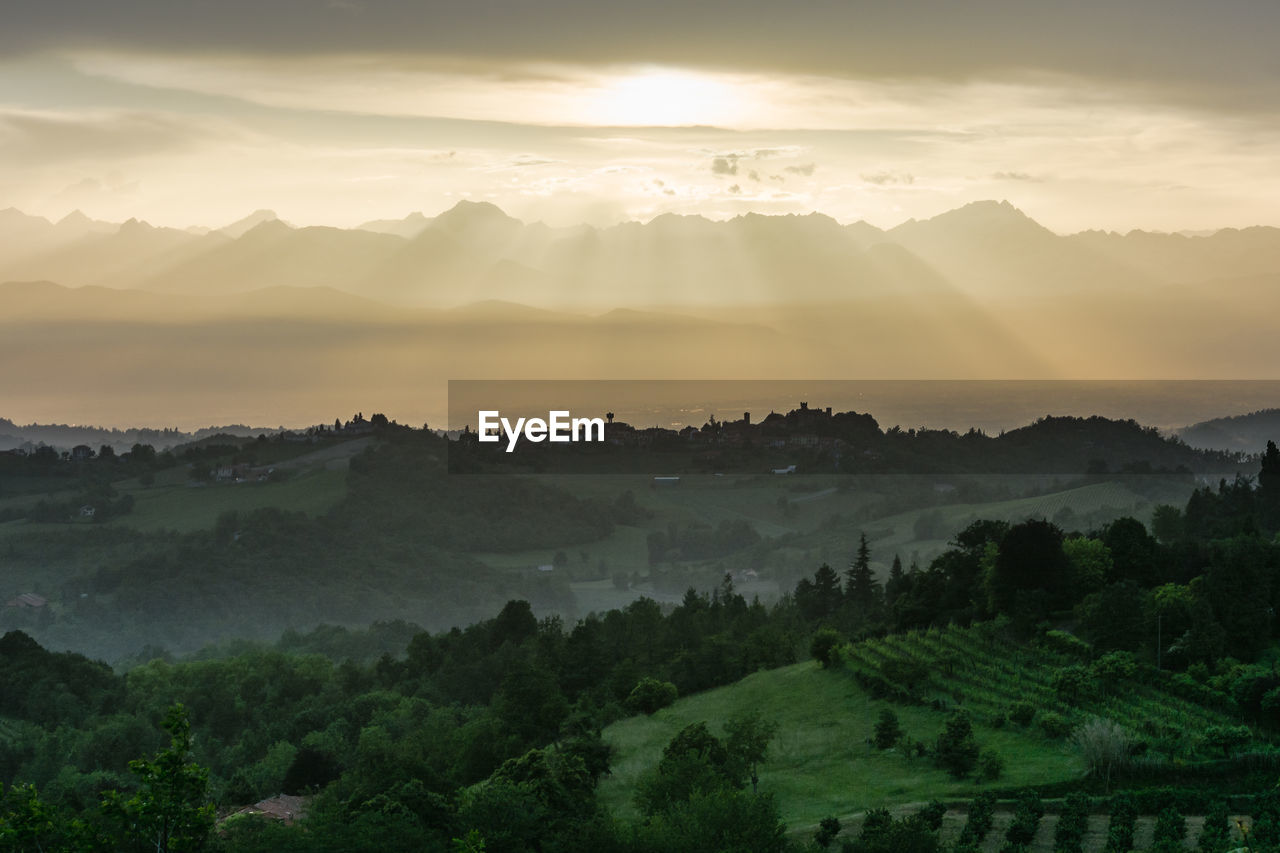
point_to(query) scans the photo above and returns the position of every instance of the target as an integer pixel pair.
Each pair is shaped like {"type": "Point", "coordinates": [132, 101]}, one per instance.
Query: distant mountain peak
{"type": "Point", "coordinates": [242, 226]}
{"type": "Point", "coordinates": [75, 217]}
{"type": "Point", "coordinates": [977, 216]}
{"type": "Point", "coordinates": [265, 228]}
{"type": "Point", "coordinates": [467, 212]}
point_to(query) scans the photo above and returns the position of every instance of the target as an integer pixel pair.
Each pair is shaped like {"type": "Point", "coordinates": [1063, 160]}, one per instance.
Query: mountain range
{"type": "Point", "coordinates": [262, 321]}
{"type": "Point", "coordinates": [474, 252]}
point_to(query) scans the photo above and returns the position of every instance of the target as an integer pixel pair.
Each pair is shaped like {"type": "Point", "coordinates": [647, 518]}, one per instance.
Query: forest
{"type": "Point", "coordinates": [492, 737]}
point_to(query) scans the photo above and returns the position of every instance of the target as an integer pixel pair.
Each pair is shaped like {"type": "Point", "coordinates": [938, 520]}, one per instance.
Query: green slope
{"type": "Point", "coordinates": [821, 764]}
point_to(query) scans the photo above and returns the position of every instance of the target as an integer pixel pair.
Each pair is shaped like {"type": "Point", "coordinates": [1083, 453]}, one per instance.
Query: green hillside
{"type": "Point", "coordinates": [821, 763]}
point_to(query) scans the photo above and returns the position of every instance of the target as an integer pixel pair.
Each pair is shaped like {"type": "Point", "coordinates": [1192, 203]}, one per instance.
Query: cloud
{"type": "Point", "coordinates": [725, 165]}
{"type": "Point", "coordinates": [1016, 176]}
{"type": "Point", "coordinates": [885, 178]}
{"type": "Point", "coordinates": [45, 137]}
{"type": "Point", "coordinates": [735, 190]}
{"type": "Point", "coordinates": [1220, 53]}
{"type": "Point", "coordinates": [753, 175]}
{"type": "Point", "coordinates": [806, 169]}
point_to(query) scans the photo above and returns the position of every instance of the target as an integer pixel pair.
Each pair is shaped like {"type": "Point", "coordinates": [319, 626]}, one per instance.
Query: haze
{"type": "Point", "coordinates": [1159, 116]}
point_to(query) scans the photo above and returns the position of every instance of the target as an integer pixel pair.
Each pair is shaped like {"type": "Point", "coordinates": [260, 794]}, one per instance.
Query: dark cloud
{"type": "Point", "coordinates": [806, 169]}
{"type": "Point", "coordinates": [1210, 52]}
{"type": "Point", "coordinates": [735, 190]}
{"type": "Point", "coordinates": [725, 165]}
{"type": "Point", "coordinates": [754, 175]}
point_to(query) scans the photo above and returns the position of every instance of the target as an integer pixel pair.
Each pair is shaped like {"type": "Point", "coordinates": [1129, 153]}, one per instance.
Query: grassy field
{"type": "Point", "coordinates": [185, 507]}
{"type": "Point", "coordinates": [821, 764]}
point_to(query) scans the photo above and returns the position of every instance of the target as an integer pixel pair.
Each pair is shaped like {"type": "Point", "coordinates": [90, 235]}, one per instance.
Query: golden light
{"type": "Point", "coordinates": [663, 97]}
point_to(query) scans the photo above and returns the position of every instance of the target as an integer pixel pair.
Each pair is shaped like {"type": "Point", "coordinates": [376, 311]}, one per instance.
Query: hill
{"type": "Point", "coordinates": [823, 763]}
{"type": "Point", "coordinates": [1240, 433]}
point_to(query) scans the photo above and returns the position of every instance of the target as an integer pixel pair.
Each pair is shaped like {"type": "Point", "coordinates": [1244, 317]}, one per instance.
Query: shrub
{"type": "Point", "coordinates": [1123, 816]}
{"type": "Point", "coordinates": [876, 823]}
{"type": "Point", "coordinates": [957, 751]}
{"type": "Point", "coordinates": [932, 814]}
{"type": "Point", "coordinates": [1227, 738]}
{"type": "Point", "coordinates": [1070, 644]}
{"type": "Point", "coordinates": [982, 812]}
{"type": "Point", "coordinates": [1073, 684]}
{"type": "Point", "coordinates": [1022, 713]}
{"type": "Point", "coordinates": [888, 732]}
{"type": "Point", "coordinates": [651, 695]}
{"type": "Point", "coordinates": [828, 829]}
{"type": "Point", "coordinates": [1054, 725]}
{"type": "Point", "coordinates": [990, 766]}
{"type": "Point", "coordinates": [1069, 835]}
{"type": "Point", "coordinates": [1106, 746]}
{"type": "Point", "coordinates": [1026, 820]}
{"type": "Point", "coordinates": [1171, 829]}
{"type": "Point", "coordinates": [825, 647]}
{"type": "Point", "coordinates": [1217, 828]}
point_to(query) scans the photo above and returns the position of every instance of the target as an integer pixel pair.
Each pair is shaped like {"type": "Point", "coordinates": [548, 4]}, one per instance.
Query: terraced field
{"type": "Point", "coordinates": [983, 671]}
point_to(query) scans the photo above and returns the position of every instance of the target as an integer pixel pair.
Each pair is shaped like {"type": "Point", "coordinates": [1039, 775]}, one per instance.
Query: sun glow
{"type": "Point", "coordinates": [663, 97]}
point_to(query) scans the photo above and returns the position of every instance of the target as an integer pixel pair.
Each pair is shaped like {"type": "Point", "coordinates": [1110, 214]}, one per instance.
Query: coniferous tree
{"type": "Point", "coordinates": [861, 590]}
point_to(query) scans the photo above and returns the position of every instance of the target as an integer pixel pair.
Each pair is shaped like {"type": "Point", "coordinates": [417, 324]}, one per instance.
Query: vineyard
{"type": "Point", "coordinates": [1083, 825]}
{"type": "Point", "coordinates": [998, 680]}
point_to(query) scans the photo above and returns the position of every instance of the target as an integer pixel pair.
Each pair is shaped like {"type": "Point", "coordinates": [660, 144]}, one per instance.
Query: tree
{"type": "Point", "coordinates": [1269, 489]}
{"type": "Point", "coordinates": [1030, 559]}
{"type": "Point", "coordinates": [695, 761]}
{"type": "Point", "coordinates": [888, 732]}
{"type": "Point", "coordinates": [826, 590]}
{"type": "Point", "coordinates": [860, 588]}
{"type": "Point", "coordinates": [1105, 745]}
{"type": "Point", "coordinates": [957, 750]}
{"type": "Point", "coordinates": [651, 695]}
{"type": "Point", "coordinates": [747, 737]}
{"type": "Point", "coordinates": [828, 829]}
{"type": "Point", "coordinates": [825, 647]}
{"type": "Point", "coordinates": [1090, 563]}
{"type": "Point", "coordinates": [1227, 738]}
{"type": "Point", "coordinates": [27, 823]}
{"type": "Point", "coordinates": [897, 584]}
{"type": "Point", "coordinates": [169, 811]}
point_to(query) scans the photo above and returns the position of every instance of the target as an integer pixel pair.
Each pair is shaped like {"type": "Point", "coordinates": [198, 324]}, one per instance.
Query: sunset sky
{"type": "Point", "coordinates": [1153, 115]}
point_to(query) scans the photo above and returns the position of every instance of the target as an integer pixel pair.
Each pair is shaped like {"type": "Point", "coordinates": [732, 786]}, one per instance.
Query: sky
{"type": "Point", "coordinates": [1150, 114]}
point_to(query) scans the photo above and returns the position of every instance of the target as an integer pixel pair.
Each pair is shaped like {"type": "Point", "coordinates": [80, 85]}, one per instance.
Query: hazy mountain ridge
{"type": "Point", "coordinates": [474, 251]}
{"type": "Point", "coordinates": [282, 322]}
{"type": "Point", "coordinates": [1244, 433]}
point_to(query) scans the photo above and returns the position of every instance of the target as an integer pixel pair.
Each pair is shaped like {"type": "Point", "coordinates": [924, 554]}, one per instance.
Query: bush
{"type": "Point", "coordinates": [932, 814]}
{"type": "Point", "coordinates": [828, 829]}
{"type": "Point", "coordinates": [1026, 820]}
{"type": "Point", "coordinates": [990, 766]}
{"type": "Point", "coordinates": [825, 647]}
{"type": "Point", "coordinates": [1070, 644]}
{"type": "Point", "coordinates": [981, 815]}
{"type": "Point", "coordinates": [1022, 713]}
{"type": "Point", "coordinates": [1123, 815]}
{"type": "Point", "coordinates": [1217, 828]}
{"type": "Point", "coordinates": [1069, 835]}
{"type": "Point", "coordinates": [888, 732]}
{"type": "Point", "coordinates": [1054, 725]}
{"type": "Point", "coordinates": [957, 751]}
{"type": "Point", "coordinates": [1171, 829]}
{"type": "Point", "coordinates": [651, 695]}
{"type": "Point", "coordinates": [1227, 738]}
